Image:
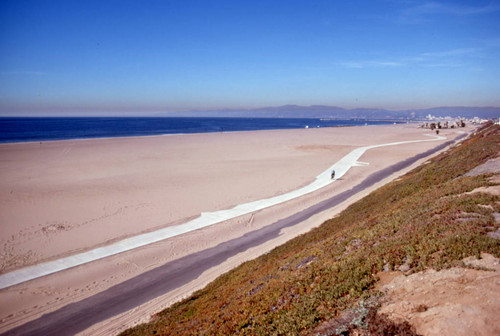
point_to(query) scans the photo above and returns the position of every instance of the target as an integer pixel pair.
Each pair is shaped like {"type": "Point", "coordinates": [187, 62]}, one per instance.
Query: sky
{"type": "Point", "coordinates": [145, 56]}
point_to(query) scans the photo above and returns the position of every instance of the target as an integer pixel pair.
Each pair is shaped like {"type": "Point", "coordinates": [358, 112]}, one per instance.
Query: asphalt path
{"type": "Point", "coordinates": [79, 316]}
{"type": "Point", "coordinates": [205, 219]}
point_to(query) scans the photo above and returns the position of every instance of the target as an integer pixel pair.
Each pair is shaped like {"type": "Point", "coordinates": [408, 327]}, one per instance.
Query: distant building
{"type": "Point", "coordinates": [477, 120]}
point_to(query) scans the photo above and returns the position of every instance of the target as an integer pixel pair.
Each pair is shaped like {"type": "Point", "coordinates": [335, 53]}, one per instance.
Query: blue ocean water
{"type": "Point", "coordinates": [43, 129]}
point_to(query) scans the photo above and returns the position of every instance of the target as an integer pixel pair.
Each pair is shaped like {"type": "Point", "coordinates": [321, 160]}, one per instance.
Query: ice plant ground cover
{"type": "Point", "coordinates": [426, 219]}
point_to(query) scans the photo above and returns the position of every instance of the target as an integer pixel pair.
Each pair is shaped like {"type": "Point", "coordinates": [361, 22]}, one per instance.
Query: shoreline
{"type": "Point", "coordinates": [65, 147]}
{"type": "Point", "coordinates": [251, 167]}
{"type": "Point", "coordinates": [206, 219]}
{"type": "Point", "coordinates": [391, 122]}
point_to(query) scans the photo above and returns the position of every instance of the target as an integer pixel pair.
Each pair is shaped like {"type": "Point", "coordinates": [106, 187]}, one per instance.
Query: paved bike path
{"type": "Point", "coordinates": [206, 219]}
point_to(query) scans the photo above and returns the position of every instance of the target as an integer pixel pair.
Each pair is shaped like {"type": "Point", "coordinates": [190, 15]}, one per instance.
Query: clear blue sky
{"type": "Point", "coordinates": [145, 56]}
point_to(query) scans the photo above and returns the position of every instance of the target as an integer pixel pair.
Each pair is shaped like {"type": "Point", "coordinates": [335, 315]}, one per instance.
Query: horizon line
{"type": "Point", "coordinates": [72, 111]}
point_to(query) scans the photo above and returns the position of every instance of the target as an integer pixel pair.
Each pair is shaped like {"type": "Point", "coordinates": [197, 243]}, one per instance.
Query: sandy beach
{"type": "Point", "coordinates": [64, 197]}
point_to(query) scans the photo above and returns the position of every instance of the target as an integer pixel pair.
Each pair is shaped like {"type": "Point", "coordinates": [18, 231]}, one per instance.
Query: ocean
{"type": "Point", "coordinates": [43, 129]}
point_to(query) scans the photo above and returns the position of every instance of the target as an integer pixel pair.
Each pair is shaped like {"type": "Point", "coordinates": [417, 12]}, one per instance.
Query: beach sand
{"type": "Point", "coordinates": [63, 197]}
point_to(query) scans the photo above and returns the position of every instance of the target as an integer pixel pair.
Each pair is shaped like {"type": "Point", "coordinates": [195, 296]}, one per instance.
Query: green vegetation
{"type": "Point", "coordinates": [425, 219]}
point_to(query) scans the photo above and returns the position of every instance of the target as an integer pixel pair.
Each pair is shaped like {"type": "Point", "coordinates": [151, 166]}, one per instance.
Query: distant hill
{"type": "Point", "coordinates": [335, 112]}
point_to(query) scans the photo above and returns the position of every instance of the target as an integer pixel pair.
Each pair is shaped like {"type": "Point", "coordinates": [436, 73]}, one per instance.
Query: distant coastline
{"type": "Point", "coordinates": [336, 112]}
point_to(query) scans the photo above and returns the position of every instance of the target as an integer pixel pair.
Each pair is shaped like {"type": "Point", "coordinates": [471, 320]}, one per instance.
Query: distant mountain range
{"type": "Point", "coordinates": [334, 112]}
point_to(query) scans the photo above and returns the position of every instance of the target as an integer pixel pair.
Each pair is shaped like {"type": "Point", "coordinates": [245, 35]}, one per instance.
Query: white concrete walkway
{"type": "Point", "coordinates": [206, 219]}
